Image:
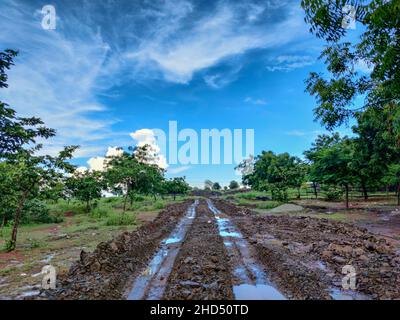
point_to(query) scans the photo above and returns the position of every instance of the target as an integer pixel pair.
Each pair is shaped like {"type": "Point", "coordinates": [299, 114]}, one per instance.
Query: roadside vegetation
{"type": "Point", "coordinates": [335, 164]}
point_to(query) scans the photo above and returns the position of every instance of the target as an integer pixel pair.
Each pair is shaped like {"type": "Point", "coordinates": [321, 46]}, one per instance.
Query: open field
{"type": "Point", "coordinates": [60, 244]}
{"type": "Point", "coordinates": [215, 249]}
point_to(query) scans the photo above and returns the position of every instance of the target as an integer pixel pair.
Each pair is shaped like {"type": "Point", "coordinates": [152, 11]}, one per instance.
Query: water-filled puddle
{"type": "Point", "coordinates": [338, 294]}
{"type": "Point", "coordinates": [257, 292]}
{"type": "Point", "coordinates": [253, 282]}
{"type": "Point", "coordinates": [151, 283]}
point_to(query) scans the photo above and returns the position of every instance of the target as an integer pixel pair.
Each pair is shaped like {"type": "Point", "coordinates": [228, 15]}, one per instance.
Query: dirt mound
{"type": "Point", "coordinates": [305, 256]}
{"type": "Point", "coordinates": [201, 271]}
{"type": "Point", "coordinates": [287, 207]}
{"type": "Point", "coordinates": [231, 209]}
{"type": "Point", "coordinates": [105, 273]}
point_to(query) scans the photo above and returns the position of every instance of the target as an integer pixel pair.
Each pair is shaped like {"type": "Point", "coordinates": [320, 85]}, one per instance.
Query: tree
{"type": "Point", "coordinates": [377, 49]}
{"type": "Point", "coordinates": [275, 173]}
{"type": "Point", "coordinates": [233, 185]}
{"type": "Point", "coordinates": [208, 184]}
{"type": "Point", "coordinates": [393, 177]}
{"type": "Point", "coordinates": [132, 174]}
{"type": "Point", "coordinates": [16, 132]}
{"type": "Point", "coordinates": [27, 173]}
{"type": "Point", "coordinates": [332, 162]}
{"type": "Point", "coordinates": [377, 145]}
{"type": "Point", "coordinates": [216, 186]}
{"type": "Point", "coordinates": [176, 186]}
{"type": "Point", "coordinates": [85, 186]}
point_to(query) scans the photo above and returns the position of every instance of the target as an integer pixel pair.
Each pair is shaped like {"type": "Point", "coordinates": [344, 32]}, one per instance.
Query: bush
{"type": "Point", "coordinates": [36, 211]}
{"type": "Point", "coordinates": [120, 219]}
{"type": "Point", "coordinates": [333, 194]}
{"type": "Point", "coordinates": [100, 212]}
{"type": "Point", "coordinates": [158, 205]}
{"type": "Point", "coordinates": [268, 205]}
{"type": "Point", "coordinates": [138, 198]}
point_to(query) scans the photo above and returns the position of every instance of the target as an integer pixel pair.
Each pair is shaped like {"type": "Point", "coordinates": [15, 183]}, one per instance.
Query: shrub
{"type": "Point", "coordinates": [333, 194]}
{"type": "Point", "coordinates": [120, 219]}
{"type": "Point", "coordinates": [100, 212]}
{"type": "Point", "coordinates": [158, 205]}
{"type": "Point", "coordinates": [36, 211]}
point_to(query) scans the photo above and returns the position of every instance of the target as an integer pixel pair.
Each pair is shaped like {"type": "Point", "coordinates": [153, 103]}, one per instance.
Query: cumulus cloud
{"type": "Point", "coordinates": [147, 137]}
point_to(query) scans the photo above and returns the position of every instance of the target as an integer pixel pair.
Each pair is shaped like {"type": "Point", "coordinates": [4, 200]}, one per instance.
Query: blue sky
{"type": "Point", "coordinates": [114, 67]}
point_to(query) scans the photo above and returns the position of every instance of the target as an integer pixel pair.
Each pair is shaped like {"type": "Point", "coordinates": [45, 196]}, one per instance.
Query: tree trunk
{"type": "Point", "coordinates": [18, 213]}
{"type": "Point", "coordinates": [347, 196]}
{"type": "Point", "coordinates": [364, 190]}
{"type": "Point", "coordinates": [298, 193]}
{"type": "Point", "coordinates": [174, 196]}
{"type": "Point", "coordinates": [88, 206]}
{"type": "Point", "coordinates": [155, 197]}
{"type": "Point", "coordinates": [315, 190]}
{"type": "Point", "coordinates": [398, 194]}
{"type": "Point", "coordinates": [125, 201]}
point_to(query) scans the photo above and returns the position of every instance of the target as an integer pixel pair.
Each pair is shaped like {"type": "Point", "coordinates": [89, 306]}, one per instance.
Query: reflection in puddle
{"type": "Point", "coordinates": [151, 283]}
{"type": "Point", "coordinates": [338, 294]}
{"type": "Point", "coordinates": [257, 292]}
{"type": "Point", "coordinates": [253, 281]}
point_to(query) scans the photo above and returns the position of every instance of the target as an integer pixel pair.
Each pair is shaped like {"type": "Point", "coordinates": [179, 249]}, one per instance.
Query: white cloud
{"type": "Point", "coordinates": [147, 137]}
{"type": "Point", "coordinates": [255, 101]}
{"type": "Point", "coordinates": [364, 67]}
{"type": "Point", "coordinates": [178, 169]}
{"type": "Point", "coordinates": [287, 63]}
{"type": "Point", "coordinates": [177, 50]}
{"type": "Point", "coordinates": [296, 133]}
{"type": "Point", "coordinates": [56, 77]}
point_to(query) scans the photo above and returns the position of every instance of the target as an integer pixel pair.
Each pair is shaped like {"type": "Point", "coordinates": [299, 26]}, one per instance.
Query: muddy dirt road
{"type": "Point", "coordinates": [212, 249]}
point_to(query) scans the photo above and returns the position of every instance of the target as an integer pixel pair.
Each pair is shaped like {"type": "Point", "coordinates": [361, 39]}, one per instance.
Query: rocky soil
{"type": "Point", "coordinates": [105, 273]}
{"type": "Point", "coordinates": [305, 256]}
{"type": "Point", "coordinates": [201, 270]}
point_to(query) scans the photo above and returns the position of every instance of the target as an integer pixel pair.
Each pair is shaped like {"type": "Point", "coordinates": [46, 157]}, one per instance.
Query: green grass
{"type": "Point", "coordinates": [120, 219]}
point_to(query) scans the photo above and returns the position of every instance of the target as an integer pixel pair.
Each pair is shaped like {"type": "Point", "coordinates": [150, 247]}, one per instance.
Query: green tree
{"type": "Point", "coordinates": [131, 173]}
{"type": "Point", "coordinates": [177, 186]}
{"type": "Point", "coordinates": [208, 184]}
{"type": "Point", "coordinates": [377, 144]}
{"type": "Point", "coordinates": [85, 186]}
{"type": "Point", "coordinates": [392, 177]}
{"type": "Point", "coordinates": [331, 159]}
{"type": "Point", "coordinates": [377, 48]}
{"type": "Point", "coordinates": [26, 172]}
{"type": "Point", "coordinates": [233, 185]}
{"type": "Point", "coordinates": [275, 173]}
{"type": "Point", "coordinates": [216, 186]}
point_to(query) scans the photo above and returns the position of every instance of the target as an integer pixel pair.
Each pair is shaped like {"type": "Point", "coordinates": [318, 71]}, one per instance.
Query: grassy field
{"type": "Point", "coordinates": [60, 244]}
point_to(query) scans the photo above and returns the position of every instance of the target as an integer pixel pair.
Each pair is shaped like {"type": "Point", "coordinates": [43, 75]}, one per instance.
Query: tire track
{"type": "Point", "coordinates": [201, 271]}
{"type": "Point", "coordinates": [151, 283]}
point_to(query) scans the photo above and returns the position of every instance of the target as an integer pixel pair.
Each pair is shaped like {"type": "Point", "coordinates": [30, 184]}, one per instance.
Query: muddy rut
{"type": "Point", "coordinates": [214, 250]}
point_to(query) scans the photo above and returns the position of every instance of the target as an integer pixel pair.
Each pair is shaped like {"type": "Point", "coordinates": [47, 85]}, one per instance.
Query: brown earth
{"type": "Point", "coordinates": [201, 271]}
{"type": "Point", "coordinates": [105, 273]}
{"type": "Point", "coordinates": [305, 255]}
{"type": "Point", "coordinates": [301, 255]}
